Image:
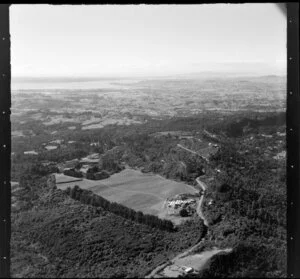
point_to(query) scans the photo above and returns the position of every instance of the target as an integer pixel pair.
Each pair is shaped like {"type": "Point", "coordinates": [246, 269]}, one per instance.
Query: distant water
{"type": "Point", "coordinates": [76, 85]}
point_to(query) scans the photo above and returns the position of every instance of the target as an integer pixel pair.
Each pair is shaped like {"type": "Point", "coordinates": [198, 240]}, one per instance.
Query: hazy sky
{"type": "Point", "coordinates": [99, 40]}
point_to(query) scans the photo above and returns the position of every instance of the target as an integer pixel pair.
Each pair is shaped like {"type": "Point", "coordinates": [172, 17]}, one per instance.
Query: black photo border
{"type": "Point", "coordinates": [292, 133]}
{"type": "Point", "coordinates": [5, 142]}
{"type": "Point", "coordinates": [293, 143]}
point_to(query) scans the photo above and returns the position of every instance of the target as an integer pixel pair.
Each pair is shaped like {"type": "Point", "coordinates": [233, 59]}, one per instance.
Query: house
{"type": "Point", "coordinates": [266, 136]}
{"type": "Point", "coordinates": [56, 141]}
{"type": "Point", "coordinates": [281, 134]}
{"type": "Point", "coordinates": [187, 269]}
{"type": "Point", "coordinates": [14, 186]}
{"type": "Point", "coordinates": [91, 159]}
{"type": "Point", "coordinates": [51, 147]}
{"type": "Point", "coordinates": [177, 205]}
{"type": "Point", "coordinates": [94, 144]}
{"type": "Point", "coordinates": [32, 152]}
{"type": "Point", "coordinates": [281, 155]}
{"type": "Point", "coordinates": [48, 163]}
{"type": "Point", "coordinates": [94, 156]}
{"type": "Point", "coordinates": [84, 169]}
{"type": "Point", "coordinates": [71, 163]}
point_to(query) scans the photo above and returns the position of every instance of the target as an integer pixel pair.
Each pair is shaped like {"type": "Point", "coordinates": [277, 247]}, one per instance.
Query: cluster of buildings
{"type": "Point", "coordinates": [280, 156]}
{"type": "Point", "coordinates": [213, 145]}
{"type": "Point", "coordinates": [84, 163]}
{"type": "Point", "coordinates": [80, 167]}
{"type": "Point", "coordinates": [175, 205]}
{"type": "Point", "coordinates": [175, 271]}
{"type": "Point", "coordinates": [51, 145]}
{"type": "Point", "coordinates": [16, 192]}
{"type": "Point", "coordinates": [58, 143]}
{"type": "Point", "coordinates": [54, 144]}
{"type": "Point", "coordinates": [179, 203]}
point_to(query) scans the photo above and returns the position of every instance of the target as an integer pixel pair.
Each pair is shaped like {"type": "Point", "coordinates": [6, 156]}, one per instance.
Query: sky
{"type": "Point", "coordinates": [137, 40]}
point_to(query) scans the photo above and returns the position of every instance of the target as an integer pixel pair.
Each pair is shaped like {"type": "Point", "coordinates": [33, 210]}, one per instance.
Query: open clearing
{"type": "Point", "coordinates": [195, 261]}
{"type": "Point", "coordinates": [134, 189]}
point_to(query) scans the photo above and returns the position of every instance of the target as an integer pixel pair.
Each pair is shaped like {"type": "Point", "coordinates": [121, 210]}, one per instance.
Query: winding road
{"type": "Point", "coordinates": [199, 207]}
{"type": "Point", "coordinates": [191, 151]}
{"type": "Point", "coordinates": [202, 257]}
{"type": "Point", "coordinates": [190, 250]}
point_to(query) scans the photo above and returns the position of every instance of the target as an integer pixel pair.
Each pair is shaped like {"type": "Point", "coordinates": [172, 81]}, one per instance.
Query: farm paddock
{"type": "Point", "coordinates": [140, 191]}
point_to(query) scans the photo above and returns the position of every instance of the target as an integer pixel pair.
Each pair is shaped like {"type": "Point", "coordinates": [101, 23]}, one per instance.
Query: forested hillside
{"type": "Point", "coordinates": [56, 236]}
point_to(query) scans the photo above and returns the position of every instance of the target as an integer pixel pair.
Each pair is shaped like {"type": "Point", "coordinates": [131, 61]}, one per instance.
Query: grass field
{"type": "Point", "coordinates": [134, 189]}
{"type": "Point", "coordinates": [196, 261]}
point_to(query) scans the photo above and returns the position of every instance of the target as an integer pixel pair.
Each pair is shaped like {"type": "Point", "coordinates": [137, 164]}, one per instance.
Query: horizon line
{"type": "Point", "coordinates": [205, 74]}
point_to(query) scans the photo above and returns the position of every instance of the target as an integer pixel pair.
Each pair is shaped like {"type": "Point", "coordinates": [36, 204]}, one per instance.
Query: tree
{"type": "Point", "coordinates": [183, 213]}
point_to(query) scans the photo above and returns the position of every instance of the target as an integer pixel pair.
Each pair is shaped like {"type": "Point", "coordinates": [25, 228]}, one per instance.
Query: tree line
{"type": "Point", "coordinates": [88, 197]}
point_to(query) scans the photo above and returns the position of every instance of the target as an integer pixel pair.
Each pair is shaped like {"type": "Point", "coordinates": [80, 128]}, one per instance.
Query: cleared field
{"type": "Point", "coordinates": [65, 181]}
{"type": "Point", "coordinates": [61, 178]}
{"type": "Point", "coordinates": [195, 261]}
{"type": "Point", "coordinates": [134, 189]}
{"type": "Point", "coordinates": [17, 134]}
{"type": "Point", "coordinates": [104, 122]}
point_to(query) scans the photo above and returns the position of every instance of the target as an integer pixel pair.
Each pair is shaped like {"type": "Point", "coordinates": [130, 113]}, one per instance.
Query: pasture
{"type": "Point", "coordinates": [134, 189]}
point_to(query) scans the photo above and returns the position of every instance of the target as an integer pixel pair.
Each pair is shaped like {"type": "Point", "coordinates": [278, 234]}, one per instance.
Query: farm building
{"type": "Point", "coordinates": [91, 159]}
{"type": "Point", "coordinates": [32, 152]}
{"type": "Point", "coordinates": [84, 169]}
{"type": "Point", "coordinates": [176, 205]}
{"type": "Point", "coordinates": [14, 186]}
{"type": "Point", "coordinates": [266, 136]}
{"type": "Point", "coordinates": [187, 269]}
{"type": "Point", "coordinates": [280, 155]}
{"type": "Point", "coordinates": [56, 141]}
{"type": "Point", "coordinates": [68, 165]}
{"type": "Point", "coordinates": [281, 134]}
{"type": "Point", "coordinates": [46, 163]}
{"type": "Point", "coordinates": [51, 147]}
{"type": "Point", "coordinates": [94, 144]}
{"type": "Point", "coordinates": [210, 202]}
{"type": "Point", "coordinates": [71, 163]}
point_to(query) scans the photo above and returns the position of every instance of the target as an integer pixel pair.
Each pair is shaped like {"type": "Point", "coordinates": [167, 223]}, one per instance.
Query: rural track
{"type": "Point", "coordinates": [199, 207]}
{"type": "Point", "coordinates": [200, 214]}
{"type": "Point", "coordinates": [188, 251]}
{"type": "Point", "coordinates": [187, 149]}
{"type": "Point", "coordinates": [201, 184]}
{"type": "Point", "coordinates": [191, 151]}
